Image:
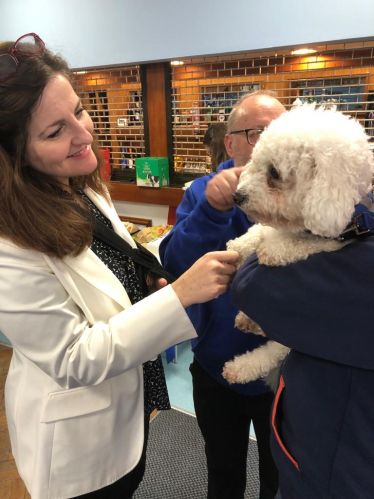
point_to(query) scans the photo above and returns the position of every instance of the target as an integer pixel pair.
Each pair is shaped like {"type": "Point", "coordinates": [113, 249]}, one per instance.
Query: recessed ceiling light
{"type": "Point", "coordinates": [303, 51]}
{"type": "Point", "coordinates": [176, 63]}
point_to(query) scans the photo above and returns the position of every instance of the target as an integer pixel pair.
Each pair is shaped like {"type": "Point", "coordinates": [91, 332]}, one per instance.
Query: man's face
{"type": "Point", "coordinates": [257, 113]}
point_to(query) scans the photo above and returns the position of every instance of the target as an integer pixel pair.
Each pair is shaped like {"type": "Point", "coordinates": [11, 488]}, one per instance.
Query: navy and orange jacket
{"type": "Point", "coordinates": [323, 413]}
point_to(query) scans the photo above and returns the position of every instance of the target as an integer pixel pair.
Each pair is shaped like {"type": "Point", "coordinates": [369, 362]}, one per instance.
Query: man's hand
{"type": "Point", "coordinates": [220, 189]}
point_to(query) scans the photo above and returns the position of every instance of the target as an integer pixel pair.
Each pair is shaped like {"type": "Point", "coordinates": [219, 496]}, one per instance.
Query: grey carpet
{"type": "Point", "coordinates": [176, 467]}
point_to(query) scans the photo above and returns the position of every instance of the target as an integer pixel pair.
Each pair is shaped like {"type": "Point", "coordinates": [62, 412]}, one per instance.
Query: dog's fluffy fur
{"type": "Point", "coordinates": [308, 171]}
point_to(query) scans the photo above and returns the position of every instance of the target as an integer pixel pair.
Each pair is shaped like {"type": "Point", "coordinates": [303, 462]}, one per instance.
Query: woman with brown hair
{"type": "Point", "coordinates": [214, 142]}
{"type": "Point", "coordinates": [81, 384]}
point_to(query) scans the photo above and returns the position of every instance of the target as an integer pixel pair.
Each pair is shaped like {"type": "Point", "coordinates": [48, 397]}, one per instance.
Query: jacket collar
{"type": "Point", "coordinates": [109, 211]}
{"type": "Point", "coordinates": [90, 268]}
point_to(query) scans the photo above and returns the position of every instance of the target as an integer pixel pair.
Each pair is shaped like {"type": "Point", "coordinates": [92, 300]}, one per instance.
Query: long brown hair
{"type": "Point", "coordinates": [214, 139]}
{"type": "Point", "coordinates": [35, 212]}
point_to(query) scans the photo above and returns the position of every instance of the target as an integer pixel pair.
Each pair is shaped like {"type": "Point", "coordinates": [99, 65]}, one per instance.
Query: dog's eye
{"type": "Point", "coordinates": [274, 173]}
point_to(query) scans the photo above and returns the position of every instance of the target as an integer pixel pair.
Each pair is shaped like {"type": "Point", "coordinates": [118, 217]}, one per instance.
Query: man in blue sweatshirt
{"type": "Point", "coordinates": [206, 220]}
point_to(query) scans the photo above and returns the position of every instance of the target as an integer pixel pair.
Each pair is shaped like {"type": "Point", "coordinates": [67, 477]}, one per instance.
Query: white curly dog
{"type": "Point", "coordinates": [308, 171]}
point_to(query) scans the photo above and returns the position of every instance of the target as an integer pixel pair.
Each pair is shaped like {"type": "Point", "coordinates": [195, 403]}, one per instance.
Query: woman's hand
{"type": "Point", "coordinates": [207, 279]}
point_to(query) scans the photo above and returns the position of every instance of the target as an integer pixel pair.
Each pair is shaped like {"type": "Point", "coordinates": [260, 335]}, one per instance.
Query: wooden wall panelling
{"type": "Point", "coordinates": [118, 101]}
{"type": "Point", "coordinates": [156, 105]}
{"type": "Point", "coordinates": [156, 85]}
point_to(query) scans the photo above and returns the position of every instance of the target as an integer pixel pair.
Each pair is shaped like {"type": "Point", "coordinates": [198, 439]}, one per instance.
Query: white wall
{"type": "Point", "coordinates": [91, 33]}
{"type": "Point", "coordinates": [157, 213]}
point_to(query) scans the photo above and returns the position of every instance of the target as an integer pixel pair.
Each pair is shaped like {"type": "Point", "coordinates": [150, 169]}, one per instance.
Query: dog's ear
{"type": "Point", "coordinates": [331, 197]}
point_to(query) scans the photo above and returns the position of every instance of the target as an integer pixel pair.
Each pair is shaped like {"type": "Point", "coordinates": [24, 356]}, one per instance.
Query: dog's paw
{"type": "Point", "coordinates": [247, 325]}
{"type": "Point", "coordinates": [243, 322]}
{"type": "Point", "coordinates": [229, 372]}
{"type": "Point", "coordinates": [233, 245]}
{"type": "Point", "coordinates": [277, 254]}
{"type": "Point", "coordinates": [246, 244]}
{"type": "Point", "coordinates": [262, 255]}
{"type": "Point", "coordinates": [233, 372]}
{"type": "Point", "coordinates": [265, 257]}
{"type": "Point", "coordinates": [240, 370]}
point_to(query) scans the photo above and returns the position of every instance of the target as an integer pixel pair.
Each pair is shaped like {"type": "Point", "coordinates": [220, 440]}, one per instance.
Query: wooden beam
{"type": "Point", "coordinates": [166, 196]}
{"type": "Point", "coordinates": [156, 102]}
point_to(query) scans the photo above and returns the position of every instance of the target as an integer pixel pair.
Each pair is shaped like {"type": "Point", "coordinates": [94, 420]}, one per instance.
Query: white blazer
{"type": "Point", "coordinates": [74, 392]}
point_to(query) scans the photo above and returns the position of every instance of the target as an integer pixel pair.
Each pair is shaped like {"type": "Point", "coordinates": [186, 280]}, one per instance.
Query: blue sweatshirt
{"type": "Point", "coordinates": [323, 413]}
{"type": "Point", "coordinates": [200, 228]}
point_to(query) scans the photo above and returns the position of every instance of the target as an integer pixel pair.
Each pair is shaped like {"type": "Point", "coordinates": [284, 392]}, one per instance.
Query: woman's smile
{"type": "Point", "coordinates": [82, 153]}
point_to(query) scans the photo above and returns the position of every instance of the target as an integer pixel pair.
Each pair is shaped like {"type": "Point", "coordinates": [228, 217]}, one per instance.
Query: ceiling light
{"type": "Point", "coordinates": [303, 51]}
{"type": "Point", "coordinates": [79, 72]}
{"type": "Point", "coordinates": [176, 63]}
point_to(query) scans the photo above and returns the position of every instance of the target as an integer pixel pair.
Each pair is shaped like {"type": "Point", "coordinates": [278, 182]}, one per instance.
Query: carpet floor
{"type": "Point", "coordinates": [176, 467]}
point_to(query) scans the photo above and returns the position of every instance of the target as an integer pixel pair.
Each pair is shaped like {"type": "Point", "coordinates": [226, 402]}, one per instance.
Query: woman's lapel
{"type": "Point", "coordinates": [110, 212]}
{"type": "Point", "coordinates": [92, 270]}
{"type": "Point", "coordinates": [88, 266]}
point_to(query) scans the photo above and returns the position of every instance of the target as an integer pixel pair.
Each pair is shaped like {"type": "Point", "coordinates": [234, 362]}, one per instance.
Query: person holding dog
{"type": "Point", "coordinates": [73, 286]}
{"type": "Point", "coordinates": [322, 422]}
{"type": "Point", "coordinates": [206, 220]}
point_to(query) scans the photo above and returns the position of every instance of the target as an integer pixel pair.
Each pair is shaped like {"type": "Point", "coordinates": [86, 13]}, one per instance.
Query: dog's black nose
{"type": "Point", "coordinates": [238, 198]}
